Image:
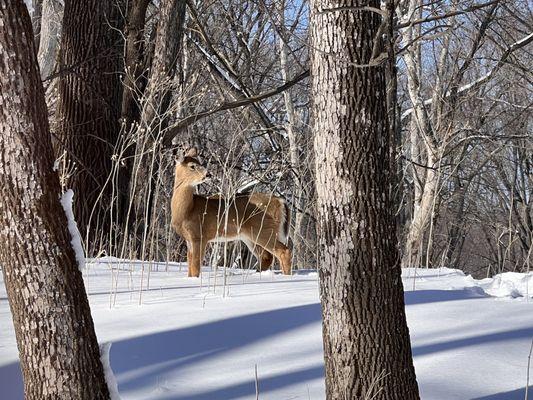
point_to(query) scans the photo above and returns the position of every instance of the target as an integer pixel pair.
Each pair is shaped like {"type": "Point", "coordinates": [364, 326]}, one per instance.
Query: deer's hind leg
{"type": "Point", "coordinates": [264, 257]}
{"type": "Point", "coordinates": [283, 254]}
{"type": "Point", "coordinates": [266, 260]}
{"type": "Point", "coordinates": [267, 239]}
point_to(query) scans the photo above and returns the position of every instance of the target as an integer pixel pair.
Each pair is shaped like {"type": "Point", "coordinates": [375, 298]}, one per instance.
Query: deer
{"type": "Point", "coordinates": [259, 220]}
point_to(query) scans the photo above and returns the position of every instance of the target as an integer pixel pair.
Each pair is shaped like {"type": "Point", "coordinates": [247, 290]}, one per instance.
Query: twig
{"type": "Point", "coordinates": [257, 383]}
{"type": "Point", "coordinates": [528, 367]}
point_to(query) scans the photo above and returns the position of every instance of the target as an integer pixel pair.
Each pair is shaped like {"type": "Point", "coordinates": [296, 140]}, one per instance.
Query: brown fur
{"type": "Point", "coordinates": [258, 219]}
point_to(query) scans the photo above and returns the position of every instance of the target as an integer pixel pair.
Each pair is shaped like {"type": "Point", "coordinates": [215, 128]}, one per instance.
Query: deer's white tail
{"type": "Point", "coordinates": [277, 209]}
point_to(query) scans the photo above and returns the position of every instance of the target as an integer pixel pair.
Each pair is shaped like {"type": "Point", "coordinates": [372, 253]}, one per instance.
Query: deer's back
{"type": "Point", "coordinates": [216, 216]}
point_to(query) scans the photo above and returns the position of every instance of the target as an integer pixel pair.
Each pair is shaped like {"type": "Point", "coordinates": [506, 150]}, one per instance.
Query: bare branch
{"type": "Point", "coordinates": [172, 132]}
{"type": "Point", "coordinates": [379, 11]}
{"type": "Point", "coordinates": [478, 82]}
{"type": "Point", "coordinates": [444, 16]}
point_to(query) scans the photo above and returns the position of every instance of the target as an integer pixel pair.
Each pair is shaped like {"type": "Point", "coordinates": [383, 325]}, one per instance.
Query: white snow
{"type": "Point", "coordinates": [187, 341]}
{"type": "Point", "coordinates": [509, 284]}
{"type": "Point", "coordinates": [108, 371]}
{"type": "Point", "coordinates": [29, 5]}
{"type": "Point", "coordinates": [77, 244]}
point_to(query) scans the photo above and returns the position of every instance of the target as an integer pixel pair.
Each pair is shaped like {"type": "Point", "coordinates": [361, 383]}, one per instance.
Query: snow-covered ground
{"type": "Point", "coordinates": [471, 339]}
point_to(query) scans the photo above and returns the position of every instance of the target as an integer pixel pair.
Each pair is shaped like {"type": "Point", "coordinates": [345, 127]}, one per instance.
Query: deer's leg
{"type": "Point", "coordinates": [266, 260]}
{"type": "Point", "coordinates": [189, 257]}
{"type": "Point", "coordinates": [283, 254]}
{"type": "Point", "coordinates": [275, 247]}
{"type": "Point", "coordinates": [195, 256]}
{"type": "Point", "coordinates": [264, 257]}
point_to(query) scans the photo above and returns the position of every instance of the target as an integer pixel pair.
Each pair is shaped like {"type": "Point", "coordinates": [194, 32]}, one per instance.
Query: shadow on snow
{"type": "Point", "coordinates": [139, 362]}
{"type": "Point", "coordinates": [517, 394]}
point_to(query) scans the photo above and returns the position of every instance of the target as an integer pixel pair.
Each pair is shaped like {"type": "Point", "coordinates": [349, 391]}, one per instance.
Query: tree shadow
{"type": "Point", "coordinates": [524, 333]}
{"type": "Point", "coordinates": [138, 362]}
{"type": "Point", "coordinates": [434, 296]}
{"type": "Point", "coordinates": [11, 385]}
{"type": "Point", "coordinates": [247, 389]}
{"type": "Point", "coordinates": [517, 394]}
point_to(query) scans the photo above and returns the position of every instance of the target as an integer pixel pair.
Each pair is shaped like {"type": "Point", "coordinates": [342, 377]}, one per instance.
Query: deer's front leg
{"type": "Point", "coordinates": [195, 257]}
{"type": "Point", "coordinates": [189, 257]}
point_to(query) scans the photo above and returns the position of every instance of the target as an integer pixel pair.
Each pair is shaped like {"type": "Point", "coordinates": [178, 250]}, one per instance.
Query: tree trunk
{"type": "Point", "coordinates": [59, 354]}
{"type": "Point", "coordinates": [154, 119]}
{"type": "Point", "coordinates": [35, 14]}
{"type": "Point", "coordinates": [456, 232]}
{"type": "Point", "coordinates": [294, 132]}
{"type": "Point", "coordinates": [52, 15]}
{"type": "Point", "coordinates": [166, 61]}
{"type": "Point", "coordinates": [422, 217]}
{"type": "Point", "coordinates": [425, 177]}
{"type": "Point", "coordinates": [366, 340]}
{"type": "Point", "coordinates": [134, 84]}
{"type": "Point", "coordinates": [89, 108]}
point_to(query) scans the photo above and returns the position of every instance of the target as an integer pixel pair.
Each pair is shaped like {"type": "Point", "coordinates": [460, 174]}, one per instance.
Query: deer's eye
{"type": "Point", "coordinates": [192, 166]}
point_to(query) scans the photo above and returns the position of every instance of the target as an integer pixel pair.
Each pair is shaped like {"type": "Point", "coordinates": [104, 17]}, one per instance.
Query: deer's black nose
{"type": "Point", "coordinates": [208, 175]}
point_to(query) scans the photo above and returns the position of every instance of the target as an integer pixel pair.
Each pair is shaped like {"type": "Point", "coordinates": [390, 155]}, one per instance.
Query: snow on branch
{"type": "Point", "coordinates": [76, 242]}
{"type": "Point", "coordinates": [478, 82]}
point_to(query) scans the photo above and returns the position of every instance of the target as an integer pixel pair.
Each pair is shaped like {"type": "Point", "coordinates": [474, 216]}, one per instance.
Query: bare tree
{"type": "Point", "coordinates": [59, 354]}
{"type": "Point", "coordinates": [294, 130]}
{"type": "Point", "coordinates": [231, 78]}
{"type": "Point", "coordinates": [89, 107]}
{"type": "Point", "coordinates": [154, 120]}
{"type": "Point", "coordinates": [440, 134]}
{"type": "Point", "coordinates": [366, 340]}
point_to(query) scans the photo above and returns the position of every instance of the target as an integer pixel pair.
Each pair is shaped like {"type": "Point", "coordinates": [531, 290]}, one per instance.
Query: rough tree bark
{"type": "Point", "coordinates": [293, 129]}
{"type": "Point", "coordinates": [134, 67]}
{"type": "Point", "coordinates": [154, 119]}
{"type": "Point", "coordinates": [366, 340]}
{"type": "Point", "coordinates": [59, 354]}
{"type": "Point", "coordinates": [88, 108]}
{"type": "Point", "coordinates": [134, 84]}
{"type": "Point", "coordinates": [36, 20]}
{"type": "Point", "coordinates": [51, 19]}
{"type": "Point", "coordinates": [166, 61]}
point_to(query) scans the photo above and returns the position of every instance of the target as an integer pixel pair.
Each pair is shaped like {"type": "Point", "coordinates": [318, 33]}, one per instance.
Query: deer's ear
{"type": "Point", "coordinates": [192, 152]}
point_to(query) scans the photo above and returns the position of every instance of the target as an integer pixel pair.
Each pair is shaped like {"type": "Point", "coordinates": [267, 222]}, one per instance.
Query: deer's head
{"type": "Point", "coordinates": [189, 170]}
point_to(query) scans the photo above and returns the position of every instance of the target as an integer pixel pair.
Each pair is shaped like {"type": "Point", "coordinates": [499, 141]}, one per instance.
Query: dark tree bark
{"type": "Point", "coordinates": [154, 115]}
{"type": "Point", "coordinates": [89, 105]}
{"type": "Point", "coordinates": [134, 67]}
{"type": "Point", "coordinates": [135, 80]}
{"type": "Point", "coordinates": [166, 60]}
{"type": "Point", "coordinates": [36, 20]}
{"type": "Point", "coordinates": [59, 354]}
{"type": "Point", "coordinates": [366, 340]}
{"type": "Point", "coordinates": [50, 33]}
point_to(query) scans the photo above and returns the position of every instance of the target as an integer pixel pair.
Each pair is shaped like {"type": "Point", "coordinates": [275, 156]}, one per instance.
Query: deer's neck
{"type": "Point", "coordinates": [182, 201]}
